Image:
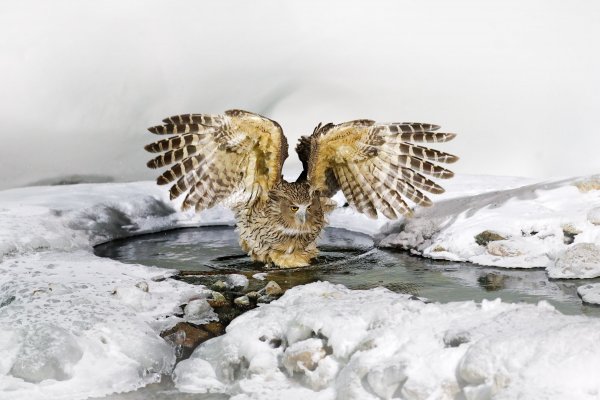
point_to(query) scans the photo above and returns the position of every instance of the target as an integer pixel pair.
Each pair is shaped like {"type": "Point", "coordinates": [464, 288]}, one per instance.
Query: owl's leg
{"type": "Point", "coordinates": [299, 258]}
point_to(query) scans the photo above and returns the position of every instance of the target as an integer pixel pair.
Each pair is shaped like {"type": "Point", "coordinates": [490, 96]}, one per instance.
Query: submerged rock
{"type": "Point", "coordinates": [581, 260]}
{"type": "Point", "coordinates": [219, 286]}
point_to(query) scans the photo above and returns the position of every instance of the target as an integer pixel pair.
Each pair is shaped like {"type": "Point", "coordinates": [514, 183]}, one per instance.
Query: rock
{"type": "Point", "coordinates": [237, 281]}
{"type": "Point", "coordinates": [273, 289]}
{"type": "Point", "coordinates": [219, 286]}
{"type": "Point", "coordinates": [503, 248]}
{"type": "Point", "coordinates": [242, 302]}
{"type": "Point", "coordinates": [590, 293]}
{"type": "Point", "coordinates": [143, 286]}
{"type": "Point", "coordinates": [265, 299]}
{"type": "Point", "coordinates": [253, 295]}
{"type": "Point", "coordinates": [261, 276]}
{"type": "Point", "coordinates": [438, 249]}
{"type": "Point", "coordinates": [215, 328]}
{"type": "Point", "coordinates": [581, 260]}
{"type": "Point", "coordinates": [187, 335]}
{"type": "Point", "coordinates": [492, 281]}
{"type": "Point", "coordinates": [218, 300]}
{"type": "Point", "coordinates": [486, 237]}
{"type": "Point", "coordinates": [197, 309]}
{"type": "Point", "coordinates": [569, 232]}
{"type": "Point", "coordinates": [594, 216]}
{"type": "Point", "coordinates": [304, 355]}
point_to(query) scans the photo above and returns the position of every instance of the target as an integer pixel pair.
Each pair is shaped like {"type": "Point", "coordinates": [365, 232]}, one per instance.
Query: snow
{"type": "Point", "coordinates": [324, 341]}
{"type": "Point", "coordinates": [590, 293]}
{"type": "Point", "coordinates": [542, 223]}
{"type": "Point", "coordinates": [74, 325]}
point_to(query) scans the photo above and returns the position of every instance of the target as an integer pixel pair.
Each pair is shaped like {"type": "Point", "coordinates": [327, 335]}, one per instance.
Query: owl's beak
{"type": "Point", "coordinates": [301, 216]}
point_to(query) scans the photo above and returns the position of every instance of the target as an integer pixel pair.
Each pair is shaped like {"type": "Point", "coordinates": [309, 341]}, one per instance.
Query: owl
{"type": "Point", "coordinates": [236, 159]}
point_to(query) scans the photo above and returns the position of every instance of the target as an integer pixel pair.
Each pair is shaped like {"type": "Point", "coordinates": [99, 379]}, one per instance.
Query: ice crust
{"type": "Point", "coordinates": [324, 341]}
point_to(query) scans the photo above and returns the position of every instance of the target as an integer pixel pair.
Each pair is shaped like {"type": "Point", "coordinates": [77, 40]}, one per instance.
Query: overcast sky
{"type": "Point", "coordinates": [81, 80]}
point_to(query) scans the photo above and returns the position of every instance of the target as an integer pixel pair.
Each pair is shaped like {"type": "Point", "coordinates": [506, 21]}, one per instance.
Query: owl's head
{"type": "Point", "coordinates": [295, 206]}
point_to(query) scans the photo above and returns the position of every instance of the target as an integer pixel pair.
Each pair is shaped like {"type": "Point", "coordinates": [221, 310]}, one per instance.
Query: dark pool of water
{"type": "Point", "coordinates": [204, 254]}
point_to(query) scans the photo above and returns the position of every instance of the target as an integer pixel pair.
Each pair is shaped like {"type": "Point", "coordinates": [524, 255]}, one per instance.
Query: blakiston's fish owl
{"type": "Point", "coordinates": [237, 157]}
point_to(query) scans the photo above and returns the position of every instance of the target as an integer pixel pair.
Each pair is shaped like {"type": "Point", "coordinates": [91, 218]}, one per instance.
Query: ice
{"type": "Point", "coordinates": [324, 341]}
{"type": "Point", "coordinates": [590, 293]}
{"type": "Point", "coordinates": [543, 223]}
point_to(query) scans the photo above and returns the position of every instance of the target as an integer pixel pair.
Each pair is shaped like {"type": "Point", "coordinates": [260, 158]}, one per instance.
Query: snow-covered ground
{"type": "Point", "coordinates": [73, 325]}
{"type": "Point", "coordinates": [553, 225]}
{"type": "Point", "coordinates": [323, 341]}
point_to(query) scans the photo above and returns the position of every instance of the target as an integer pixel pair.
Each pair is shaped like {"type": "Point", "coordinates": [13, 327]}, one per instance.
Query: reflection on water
{"type": "Point", "coordinates": [350, 259]}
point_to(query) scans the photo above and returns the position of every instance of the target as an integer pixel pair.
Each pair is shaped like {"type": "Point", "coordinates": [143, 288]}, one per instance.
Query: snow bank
{"type": "Point", "coordinates": [315, 343]}
{"type": "Point", "coordinates": [73, 325]}
{"type": "Point", "coordinates": [81, 216]}
{"type": "Point", "coordinates": [536, 225]}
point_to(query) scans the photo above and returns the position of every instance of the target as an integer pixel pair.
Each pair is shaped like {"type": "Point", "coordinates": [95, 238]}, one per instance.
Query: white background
{"type": "Point", "coordinates": [81, 80]}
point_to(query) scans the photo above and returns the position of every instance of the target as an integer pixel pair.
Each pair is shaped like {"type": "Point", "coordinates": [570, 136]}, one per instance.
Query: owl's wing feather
{"type": "Point", "coordinates": [215, 156]}
{"type": "Point", "coordinates": [377, 166]}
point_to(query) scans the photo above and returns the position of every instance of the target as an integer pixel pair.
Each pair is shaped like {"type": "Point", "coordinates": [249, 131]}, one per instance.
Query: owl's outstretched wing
{"type": "Point", "coordinates": [217, 155]}
{"type": "Point", "coordinates": [377, 166]}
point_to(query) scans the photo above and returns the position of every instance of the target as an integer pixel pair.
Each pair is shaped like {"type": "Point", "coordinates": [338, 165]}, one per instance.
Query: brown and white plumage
{"type": "Point", "coordinates": [239, 155]}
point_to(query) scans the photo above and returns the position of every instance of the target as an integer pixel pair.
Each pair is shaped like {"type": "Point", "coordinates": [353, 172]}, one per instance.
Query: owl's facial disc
{"type": "Point", "coordinates": [300, 212]}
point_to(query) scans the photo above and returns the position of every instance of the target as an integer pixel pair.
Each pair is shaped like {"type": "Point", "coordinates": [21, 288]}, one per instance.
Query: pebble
{"type": "Point", "coordinates": [237, 281]}
{"type": "Point", "coordinates": [265, 299]}
{"type": "Point", "coordinates": [253, 295]}
{"type": "Point", "coordinates": [273, 289]}
{"type": "Point", "coordinates": [594, 216]}
{"type": "Point", "coordinates": [219, 286]}
{"type": "Point", "coordinates": [242, 301]}
{"type": "Point", "coordinates": [218, 300]}
{"type": "Point", "coordinates": [143, 286]}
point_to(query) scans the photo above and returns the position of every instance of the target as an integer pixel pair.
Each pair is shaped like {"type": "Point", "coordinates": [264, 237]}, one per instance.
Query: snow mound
{"type": "Point", "coordinates": [315, 343]}
{"type": "Point", "coordinates": [538, 223]}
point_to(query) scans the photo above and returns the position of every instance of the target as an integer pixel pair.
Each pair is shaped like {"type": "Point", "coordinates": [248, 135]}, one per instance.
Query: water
{"type": "Point", "coordinates": [207, 254]}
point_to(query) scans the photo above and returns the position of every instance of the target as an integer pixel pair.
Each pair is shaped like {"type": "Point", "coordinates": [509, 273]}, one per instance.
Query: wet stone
{"type": "Point", "coordinates": [242, 302]}
{"type": "Point", "coordinates": [218, 300]}
{"type": "Point", "coordinates": [253, 295]}
{"type": "Point", "coordinates": [219, 286]}
{"type": "Point", "coordinates": [273, 289]}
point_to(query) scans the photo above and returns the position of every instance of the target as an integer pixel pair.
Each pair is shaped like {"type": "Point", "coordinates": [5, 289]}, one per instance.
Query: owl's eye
{"type": "Point", "coordinates": [294, 208]}
{"type": "Point", "coordinates": [308, 207]}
